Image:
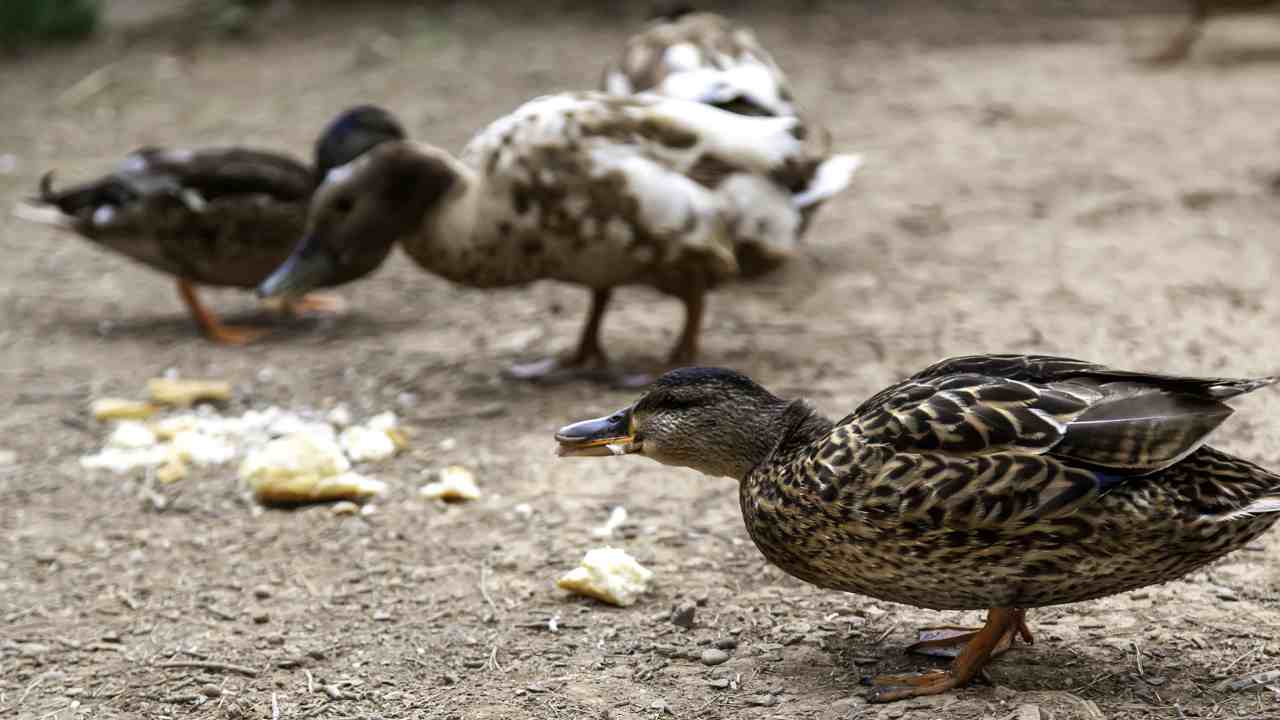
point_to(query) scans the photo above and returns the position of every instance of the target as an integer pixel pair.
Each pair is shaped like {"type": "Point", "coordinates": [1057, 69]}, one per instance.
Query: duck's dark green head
{"type": "Point", "coordinates": [353, 133]}
{"type": "Point", "coordinates": [716, 421]}
{"type": "Point", "coordinates": [359, 212]}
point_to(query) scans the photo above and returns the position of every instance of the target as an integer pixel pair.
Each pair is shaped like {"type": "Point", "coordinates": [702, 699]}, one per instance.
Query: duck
{"type": "Point", "coordinates": [584, 188]}
{"type": "Point", "coordinates": [983, 482]}
{"type": "Point", "coordinates": [214, 216]}
{"type": "Point", "coordinates": [1179, 48]}
{"type": "Point", "coordinates": [703, 57]}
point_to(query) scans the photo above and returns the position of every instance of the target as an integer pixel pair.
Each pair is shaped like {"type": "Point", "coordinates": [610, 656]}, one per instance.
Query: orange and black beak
{"type": "Point", "coordinates": [610, 435]}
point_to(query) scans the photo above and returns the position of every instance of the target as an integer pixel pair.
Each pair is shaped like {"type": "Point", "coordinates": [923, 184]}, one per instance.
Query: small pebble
{"type": "Point", "coordinates": [261, 617]}
{"type": "Point", "coordinates": [719, 683]}
{"type": "Point", "coordinates": [210, 691]}
{"type": "Point", "coordinates": [714, 656]}
{"type": "Point", "coordinates": [682, 615]}
{"type": "Point", "coordinates": [727, 643]}
{"type": "Point", "coordinates": [763, 700]}
{"type": "Point", "coordinates": [262, 592]}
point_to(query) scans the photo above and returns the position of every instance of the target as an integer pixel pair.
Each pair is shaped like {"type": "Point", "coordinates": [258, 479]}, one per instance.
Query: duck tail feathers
{"type": "Point", "coordinates": [833, 175]}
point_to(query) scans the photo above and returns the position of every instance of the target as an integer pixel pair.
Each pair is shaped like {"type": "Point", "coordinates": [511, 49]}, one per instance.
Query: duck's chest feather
{"type": "Point", "coordinates": [842, 531]}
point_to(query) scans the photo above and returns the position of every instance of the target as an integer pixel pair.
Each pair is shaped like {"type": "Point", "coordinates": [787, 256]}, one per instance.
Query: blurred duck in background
{"type": "Point", "coordinates": [214, 216]}
{"type": "Point", "coordinates": [705, 58]}
{"type": "Point", "coordinates": [1201, 10]}
{"type": "Point", "coordinates": [585, 188]}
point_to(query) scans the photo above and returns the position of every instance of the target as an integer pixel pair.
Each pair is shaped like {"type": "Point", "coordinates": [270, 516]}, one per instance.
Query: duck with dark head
{"type": "Point", "coordinates": [996, 482]}
{"type": "Point", "coordinates": [223, 216]}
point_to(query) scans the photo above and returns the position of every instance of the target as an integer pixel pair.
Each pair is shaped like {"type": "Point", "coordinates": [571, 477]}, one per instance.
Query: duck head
{"type": "Point", "coordinates": [716, 421]}
{"type": "Point", "coordinates": [358, 213]}
{"type": "Point", "coordinates": [351, 134]}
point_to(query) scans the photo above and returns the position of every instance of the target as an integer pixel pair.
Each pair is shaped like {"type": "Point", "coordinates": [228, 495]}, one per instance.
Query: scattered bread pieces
{"type": "Point", "coordinates": [299, 489]}
{"type": "Point", "coordinates": [297, 455]}
{"type": "Point", "coordinates": [104, 409]}
{"type": "Point", "coordinates": [609, 575]}
{"type": "Point", "coordinates": [185, 393]}
{"type": "Point", "coordinates": [364, 443]}
{"type": "Point", "coordinates": [451, 484]}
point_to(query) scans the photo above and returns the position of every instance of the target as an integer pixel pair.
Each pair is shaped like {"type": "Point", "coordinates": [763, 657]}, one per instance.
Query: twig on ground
{"type": "Point", "coordinates": [208, 665]}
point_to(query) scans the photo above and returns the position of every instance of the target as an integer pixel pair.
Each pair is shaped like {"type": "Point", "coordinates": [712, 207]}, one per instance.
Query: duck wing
{"type": "Point", "coordinates": [1129, 423]}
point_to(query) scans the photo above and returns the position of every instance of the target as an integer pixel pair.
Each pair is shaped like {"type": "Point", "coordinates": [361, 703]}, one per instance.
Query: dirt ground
{"type": "Point", "coordinates": [1028, 188]}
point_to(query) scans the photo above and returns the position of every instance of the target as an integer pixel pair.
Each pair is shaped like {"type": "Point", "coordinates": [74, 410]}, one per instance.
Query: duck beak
{"type": "Point", "coordinates": [306, 269]}
{"type": "Point", "coordinates": [609, 435]}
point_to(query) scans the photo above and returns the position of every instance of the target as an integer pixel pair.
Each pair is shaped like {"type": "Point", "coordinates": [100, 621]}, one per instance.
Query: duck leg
{"type": "Point", "coordinates": [1001, 623]}
{"type": "Point", "coordinates": [209, 323]}
{"type": "Point", "coordinates": [1180, 47]}
{"type": "Point", "coordinates": [588, 361]}
{"type": "Point", "coordinates": [949, 640]}
{"type": "Point", "coordinates": [686, 350]}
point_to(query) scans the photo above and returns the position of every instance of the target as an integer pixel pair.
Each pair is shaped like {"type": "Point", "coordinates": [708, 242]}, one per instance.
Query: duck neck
{"type": "Point", "coordinates": [780, 431]}
{"type": "Point", "coordinates": [464, 238]}
{"type": "Point", "coordinates": [442, 241]}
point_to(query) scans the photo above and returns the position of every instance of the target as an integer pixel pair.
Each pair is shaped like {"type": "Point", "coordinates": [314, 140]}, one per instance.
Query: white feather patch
{"type": "Point", "coordinates": [832, 176]}
{"type": "Point", "coordinates": [1257, 507]}
{"type": "Point", "coordinates": [682, 56]}
{"type": "Point", "coordinates": [617, 83]}
{"type": "Point", "coordinates": [103, 215]}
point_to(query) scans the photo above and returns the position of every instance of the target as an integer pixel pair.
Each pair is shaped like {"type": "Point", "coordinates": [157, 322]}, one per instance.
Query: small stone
{"type": "Point", "coordinates": [765, 700]}
{"type": "Point", "coordinates": [719, 683]}
{"type": "Point", "coordinates": [1227, 595]}
{"type": "Point", "coordinates": [1028, 712]}
{"type": "Point", "coordinates": [261, 617]}
{"type": "Point", "coordinates": [727, 643]}
{"type": "Point", "coordinates": [682, 615]}
{"type": "Point", "coordinates": [714, 656]}
{"type": "Point", "coordinates": [262, 592]}
{"type": "Point", "coordinates": [210, 691]}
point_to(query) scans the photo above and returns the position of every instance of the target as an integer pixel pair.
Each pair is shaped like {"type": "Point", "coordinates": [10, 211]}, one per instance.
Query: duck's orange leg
{"type": "Point", "coordinates": [1002, 624]}
{"type": "Point", "coordinates": [209, 323]}
{"type": "Point", "coordinates": [949, 640]}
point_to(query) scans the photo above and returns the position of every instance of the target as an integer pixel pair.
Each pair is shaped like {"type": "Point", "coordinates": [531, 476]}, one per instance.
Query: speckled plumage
{"type": "Point", "coordinates": [1009, 481]}
{"type": "Point", "coordinates": [702, 57]}
{"type": "Point", "coordinates": [998, 482]}
{"type": "Point", "coordinates": [589, 189]}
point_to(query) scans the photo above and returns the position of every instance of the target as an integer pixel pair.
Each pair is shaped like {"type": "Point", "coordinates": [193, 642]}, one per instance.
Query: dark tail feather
{"type": "Point", "coordinates": [90, 196]}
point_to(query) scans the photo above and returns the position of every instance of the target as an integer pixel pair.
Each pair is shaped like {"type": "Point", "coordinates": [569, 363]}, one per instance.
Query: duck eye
{"type": "Point", "coordinates": [344, 204]}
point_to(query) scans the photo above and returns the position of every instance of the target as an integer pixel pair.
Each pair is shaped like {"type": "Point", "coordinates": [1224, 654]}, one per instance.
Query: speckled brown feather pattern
{"type": "Point", "coordinates": [704, 41]}
{"type": "Point", "coordinates": [605, 191]}
{"type": "Point", "coordinates": [965, 487]}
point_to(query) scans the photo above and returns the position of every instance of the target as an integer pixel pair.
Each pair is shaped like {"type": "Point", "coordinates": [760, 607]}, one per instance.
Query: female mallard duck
{"type": "Point", "coordinates": [705, 58]}
{"type": "Point", "coordinates": [215, 216]}
{"type": "Point", "coordinates": [584, 188]}
{"type": "Point", "coordinates": [1180, 47]}
{"type": "Point", "coordinates": [998, 482]}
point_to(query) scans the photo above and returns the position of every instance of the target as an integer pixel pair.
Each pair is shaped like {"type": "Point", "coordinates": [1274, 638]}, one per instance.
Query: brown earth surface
{"type": "Point", "coordinates": [1028, 187]}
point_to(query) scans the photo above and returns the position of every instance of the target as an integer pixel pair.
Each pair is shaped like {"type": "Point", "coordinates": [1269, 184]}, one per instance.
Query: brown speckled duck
{"type": "Point", "coordinates": [584, 188]}
{"type": "Point", "coordinates": [997, 482]}
{"type": "Point", "coordinates": [702, 57]}
{"type": "Point", "coordinates": [213, 216]}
